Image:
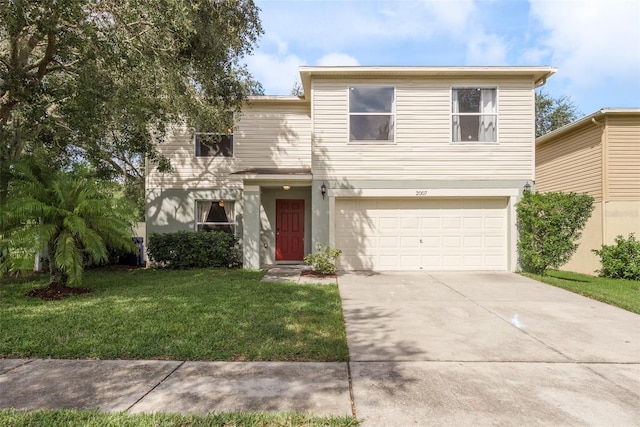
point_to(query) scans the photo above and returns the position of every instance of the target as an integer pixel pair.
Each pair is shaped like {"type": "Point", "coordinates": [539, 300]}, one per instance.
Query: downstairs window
{"type": "Point", "coordinates": [216, 215]}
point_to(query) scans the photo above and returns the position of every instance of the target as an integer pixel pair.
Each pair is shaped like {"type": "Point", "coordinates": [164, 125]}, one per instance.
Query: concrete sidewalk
{"type": "Point", "coordinates": [174, 386]}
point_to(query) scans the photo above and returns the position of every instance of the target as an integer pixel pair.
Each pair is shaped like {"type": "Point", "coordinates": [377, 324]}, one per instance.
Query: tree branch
{"type": "Point", "coordinates": [48, 56]}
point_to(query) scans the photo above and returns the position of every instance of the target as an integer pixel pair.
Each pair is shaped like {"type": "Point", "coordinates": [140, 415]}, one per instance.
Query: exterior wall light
{"type": "Point", "coordinates": [527, 187]}
{"type": "Point", "coordinates": [323, 189]}
{"type": "Point", "coordinates": [286, 187]}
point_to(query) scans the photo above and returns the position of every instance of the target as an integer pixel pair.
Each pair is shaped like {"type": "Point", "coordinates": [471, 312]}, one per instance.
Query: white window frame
{"type": "Point", "coordinates": [197, 223]}
{"type": "Point", "coordinates": [478, 114]}
{"type": "Point", "coordinates": [392, 114]}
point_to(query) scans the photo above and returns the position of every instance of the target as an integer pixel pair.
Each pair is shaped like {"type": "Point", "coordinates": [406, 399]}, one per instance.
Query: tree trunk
{"type": "Point", "coordinates": [57, 277]}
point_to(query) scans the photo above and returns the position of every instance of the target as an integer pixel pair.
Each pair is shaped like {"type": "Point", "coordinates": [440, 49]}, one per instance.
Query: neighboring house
{"type": "Point", "coordinates": [598, 155]}
{"type": "Point", "coordinates": [402, 168]}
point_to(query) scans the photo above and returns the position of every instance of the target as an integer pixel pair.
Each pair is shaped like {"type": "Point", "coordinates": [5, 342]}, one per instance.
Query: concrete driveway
{"type": "Point", "coordinates": [487, 348]}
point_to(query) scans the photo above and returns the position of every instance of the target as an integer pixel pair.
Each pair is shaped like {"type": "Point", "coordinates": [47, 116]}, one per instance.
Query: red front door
{"type": "Point", "coordinates": [289, 230]}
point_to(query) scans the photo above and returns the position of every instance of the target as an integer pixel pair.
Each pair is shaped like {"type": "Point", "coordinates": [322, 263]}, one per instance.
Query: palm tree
{"type": "Point", "coordinates": [69, 217]}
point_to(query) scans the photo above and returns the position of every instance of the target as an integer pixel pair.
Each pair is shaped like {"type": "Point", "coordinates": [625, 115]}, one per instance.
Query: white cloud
{"type": "Point", "coordinates": [486, 49]}
{"type": "Point", "coordinates": [277, 73]}
{"type": "Point", "coordinates": [591, 40]}
{"type": "Point", "coordinates": [452, 16]}
{"type": "Point", "coordinates": [337, 59]}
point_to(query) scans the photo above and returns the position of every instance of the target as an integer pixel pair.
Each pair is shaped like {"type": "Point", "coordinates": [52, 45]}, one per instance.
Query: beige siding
{"type": "Point", "coordinates": [572, 163]}
{"type": "Point", "coordinates": [423, 148]}
{"type": "Point", "coordinates": [190, 171]}
{"type": "Point", "coordinates": [623, 160]}
{"type": "Point", "coordinates": [272, 135]}
{"type": "Point", "coordinates": [584, 260]}
{"type": "Point", "coordinates": [617, 219]}
{"type": "Point", "coordinates": [265, 136]}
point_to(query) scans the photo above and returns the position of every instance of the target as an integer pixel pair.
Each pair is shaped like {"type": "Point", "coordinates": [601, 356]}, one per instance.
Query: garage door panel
{"type": "Point", "coordinates": [452, 242]}
{"type": "Point", "coordinates": [406, 234]}
{"type": "Point", "coordinates": [388, 223]}
{"type": "Point", "coordinates": [452, 223]}
{"type": "Point", "coordinates": [473, 223]}
{"type": "Point", "coordinates": [473, 242]}
{"type": "Point", "coordinates": [430, 223]}
{"type": "Point", "coordinates": [412, 223]}
{"type": "Point", "coordinates": [409, 242]}
{"type": "Point", "coordinates": [494, 242]}
{"type": "Point", "coordinates": [494, 223]}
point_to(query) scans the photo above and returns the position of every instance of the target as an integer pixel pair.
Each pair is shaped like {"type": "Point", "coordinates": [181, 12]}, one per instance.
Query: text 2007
{"type": "Point", "coordinates": [421, 192]}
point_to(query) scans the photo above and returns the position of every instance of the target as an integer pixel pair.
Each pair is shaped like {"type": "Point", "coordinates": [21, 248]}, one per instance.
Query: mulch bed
{"type": "Point", "coordinates": [56, 291]}
{"type": "Point", "coordinates": [311, 273]}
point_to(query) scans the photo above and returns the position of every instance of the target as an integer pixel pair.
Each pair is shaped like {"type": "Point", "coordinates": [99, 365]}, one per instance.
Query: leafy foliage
{"type": "Point", "coordinates": [323, 261]}
{"type": "Point", "coordinates": [549, 225]}
{"type": "Point", "coordinates": [621, 260]}
{"type": "Point", "coordinates": [99, 80]}
{"type": "Point", "coordinates": [553, 113]}
{"type": "Point", "coordinates": [188, 249]}
{"type": "Point", "coordinates": [66, 215]}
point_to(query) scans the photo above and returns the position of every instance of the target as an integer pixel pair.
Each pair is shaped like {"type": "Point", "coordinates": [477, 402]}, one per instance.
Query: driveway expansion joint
{"type": "Point", "coordinates": [351, 396]}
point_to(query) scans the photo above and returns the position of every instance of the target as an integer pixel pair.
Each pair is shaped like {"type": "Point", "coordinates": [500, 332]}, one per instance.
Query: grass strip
{"type": "Point", "coordinates": [621, 293]}
{"type": "Point", "coordinates": [73, 418]}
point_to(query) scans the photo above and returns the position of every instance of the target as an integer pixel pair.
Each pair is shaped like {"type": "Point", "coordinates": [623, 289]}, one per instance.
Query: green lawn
{"type": "Point", "coordinates": [67, 418]}
{"type": "Point", "coordinates": [207, 314]}
{"type": "Point", "coordinates": [621, 293]}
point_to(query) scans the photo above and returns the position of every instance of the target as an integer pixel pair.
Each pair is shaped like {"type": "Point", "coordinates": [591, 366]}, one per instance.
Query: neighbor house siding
{"type": "Point", "coordinates": [598, 155]}
{"type": "Point", "coordinates": [623, 161]}
{"type": "Point", "coordinates": [573, 164]}
{"type": "Point", "coordinates": [423, 147]}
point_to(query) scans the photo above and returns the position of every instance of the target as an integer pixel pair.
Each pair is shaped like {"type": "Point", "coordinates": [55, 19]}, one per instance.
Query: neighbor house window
{"type": "Point", "coordinates": [216, 215]}
{"type": "Point", "coordinates": [372, 114]}
{"type": "Point", "coordinates": [474, 115]}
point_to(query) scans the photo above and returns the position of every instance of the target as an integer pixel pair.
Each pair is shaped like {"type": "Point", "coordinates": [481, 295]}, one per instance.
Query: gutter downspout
{"type": "Point", "coordinates": [603, 177]}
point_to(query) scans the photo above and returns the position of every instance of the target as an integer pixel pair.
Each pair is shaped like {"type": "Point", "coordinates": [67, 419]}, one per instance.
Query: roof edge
{"type": "Point", "coordinates": [540, 74]}
{"type": "Point", "coordinates": [584, 120]}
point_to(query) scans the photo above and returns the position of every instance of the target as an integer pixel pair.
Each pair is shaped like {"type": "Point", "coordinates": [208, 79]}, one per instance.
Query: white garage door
{"type": "Point", "coordinates": [422, 234]}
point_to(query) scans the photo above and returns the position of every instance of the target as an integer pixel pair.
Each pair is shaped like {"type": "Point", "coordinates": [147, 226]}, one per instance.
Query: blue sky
{"type": "Point", "coordinates": [595, 44]}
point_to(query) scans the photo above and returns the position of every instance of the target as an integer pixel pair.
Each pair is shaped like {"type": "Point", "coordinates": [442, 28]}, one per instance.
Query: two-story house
{"type": "Point", "coordinates": [402, 168]}
{"type": "Point", "coordinates": [599, 155]}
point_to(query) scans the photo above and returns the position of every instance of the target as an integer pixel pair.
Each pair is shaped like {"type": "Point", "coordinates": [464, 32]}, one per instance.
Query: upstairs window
{"type": "Point", "coordinates": [372, 114]}
{"type": "Point", "coordinates": [474, 115]}
{"type": "Point", "coordinates": [210, 144]}
{"type": "Point", "coordinates": [215, 215]}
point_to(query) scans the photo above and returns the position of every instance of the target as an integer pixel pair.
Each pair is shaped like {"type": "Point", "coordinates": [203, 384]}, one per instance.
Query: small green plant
{"type": "Point", "coordinates": [324, 260]}
{"type": "Point", "coordinates": [549, 225]}
{"type": "Point", "coordinates": [621, 260]}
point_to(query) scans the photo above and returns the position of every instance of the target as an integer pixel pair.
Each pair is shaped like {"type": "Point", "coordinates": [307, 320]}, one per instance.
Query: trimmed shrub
{"type": "Point", "coordinates": [189, 249]}
{"type": "Point", "coordinates": [621, 260]}
{"type": "Point", "coordinates": [323, 261]}
{"type": "Point", "coordinates": [549, 225]}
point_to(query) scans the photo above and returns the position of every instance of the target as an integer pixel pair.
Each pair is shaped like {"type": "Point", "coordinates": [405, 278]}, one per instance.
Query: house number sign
{"type": "Point", "coordinates": [421, 192]}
